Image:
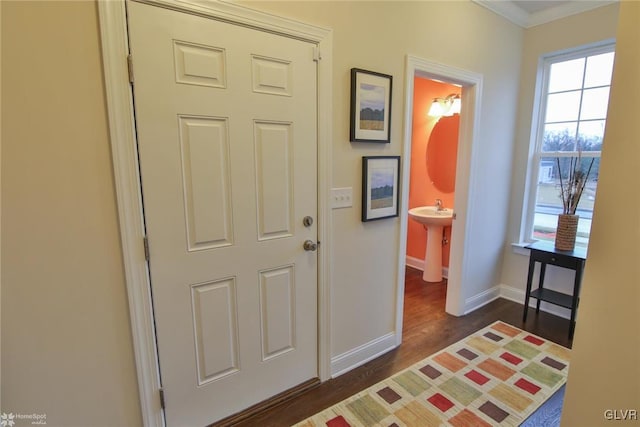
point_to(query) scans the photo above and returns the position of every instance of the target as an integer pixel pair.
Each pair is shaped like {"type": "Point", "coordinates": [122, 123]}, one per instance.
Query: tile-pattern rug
{"type": "Point", "coordinates": [497, 376]}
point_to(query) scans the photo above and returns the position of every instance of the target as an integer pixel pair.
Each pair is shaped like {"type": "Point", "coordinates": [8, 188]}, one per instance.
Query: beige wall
{"type": "Point", "coordinates": [66, 341]}
{"type": "Point", "coordinates": [65, 328]}
{"type": "Point", "coordinates": [605, 373]}
{"type": "Point", "coordinates": [0, 214]}
{"type": "Point", "coordinates": [577, 30]}
{"type": "Point", "coordinates": [377, 36]}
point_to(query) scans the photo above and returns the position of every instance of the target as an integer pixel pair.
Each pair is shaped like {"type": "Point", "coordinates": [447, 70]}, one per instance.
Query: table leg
{"type": "Point", "coordinates": [532, 266]}
{"type": "Point", "coordinates": [543, 269]}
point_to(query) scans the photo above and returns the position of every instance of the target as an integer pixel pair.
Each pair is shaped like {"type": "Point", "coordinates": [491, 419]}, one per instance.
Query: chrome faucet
{"type": "Point", "coordinates": [439, 206]}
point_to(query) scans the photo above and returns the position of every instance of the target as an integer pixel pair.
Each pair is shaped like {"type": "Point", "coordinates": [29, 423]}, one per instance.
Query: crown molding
{"type": "Point", "coordinates": [508, 10]}
{"type": "Point", "coordinates": [512, 12]}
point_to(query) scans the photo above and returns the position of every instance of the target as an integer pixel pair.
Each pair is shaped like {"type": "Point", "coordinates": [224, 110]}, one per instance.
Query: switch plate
{"type": "Point", "coordinates": [341, 197]}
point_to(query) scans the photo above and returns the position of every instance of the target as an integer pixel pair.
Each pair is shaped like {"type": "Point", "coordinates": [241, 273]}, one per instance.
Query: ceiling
{"type": "Point", "coordinates": [529, 13]}
{"type": "Point", "coordinates": [533, 6]}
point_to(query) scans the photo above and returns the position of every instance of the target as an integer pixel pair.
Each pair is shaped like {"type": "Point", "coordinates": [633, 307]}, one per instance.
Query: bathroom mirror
{"type": "Point", "coordinates": [442, 152]}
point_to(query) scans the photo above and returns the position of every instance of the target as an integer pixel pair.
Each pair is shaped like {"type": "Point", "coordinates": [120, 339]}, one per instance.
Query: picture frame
{"type": "Point", "coordinates": [370, 106]}
{"type": "Point", "coordinates": [380, 187]}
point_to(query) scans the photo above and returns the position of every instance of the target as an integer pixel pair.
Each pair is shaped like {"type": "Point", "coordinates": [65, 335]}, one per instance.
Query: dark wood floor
{"type": "Point", "coordinates": [427, 329]}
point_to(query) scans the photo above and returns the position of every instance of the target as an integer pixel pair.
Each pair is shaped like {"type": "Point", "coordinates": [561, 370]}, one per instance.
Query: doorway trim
{"type": "Point", "coordinates": [119, 99]}
{"type": "Point", "coordinates": [466, 164]}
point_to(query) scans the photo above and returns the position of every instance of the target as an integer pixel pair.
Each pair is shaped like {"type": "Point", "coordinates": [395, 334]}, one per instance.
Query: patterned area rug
{"type": "Point", "coordinates": [497, 376]}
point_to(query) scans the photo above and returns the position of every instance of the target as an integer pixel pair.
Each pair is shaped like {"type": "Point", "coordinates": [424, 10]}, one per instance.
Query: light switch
{"type": "Point", "coordinates": [341, 197]}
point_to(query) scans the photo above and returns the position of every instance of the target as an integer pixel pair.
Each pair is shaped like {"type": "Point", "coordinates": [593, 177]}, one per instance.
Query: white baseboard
{"type": "Point", "coordinates": [483, 298]}
{"type": "Point", "coordinates": [517, 295]}
{"type": "Point", "coordinates": [415, 263]}
{"type": "Point", "coordinates": [499, 291]}
{"type": "Point", "coordinates": [418, 264]}
{"type": "Point", "coordinates": [360, 355]}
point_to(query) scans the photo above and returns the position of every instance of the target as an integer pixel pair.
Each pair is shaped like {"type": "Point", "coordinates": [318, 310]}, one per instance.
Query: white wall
{"type": "Point", "coordinates": [377, 36]}
{"type": "Point", "coordinates": [604, 373]}
{"type": "Point", "coordinates": [577, 30]}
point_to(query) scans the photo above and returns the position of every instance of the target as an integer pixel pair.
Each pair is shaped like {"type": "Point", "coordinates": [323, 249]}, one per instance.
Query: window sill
{"type": "Point", "coordinates": [519, 248]}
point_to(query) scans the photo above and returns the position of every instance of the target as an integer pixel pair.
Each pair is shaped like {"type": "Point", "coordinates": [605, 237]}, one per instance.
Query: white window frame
{"type": "Point", "coordinates": [537, 127]}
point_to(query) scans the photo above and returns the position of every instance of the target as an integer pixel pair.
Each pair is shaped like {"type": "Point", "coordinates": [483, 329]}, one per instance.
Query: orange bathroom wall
{"type": "Point", "coordinates": [434, 149]}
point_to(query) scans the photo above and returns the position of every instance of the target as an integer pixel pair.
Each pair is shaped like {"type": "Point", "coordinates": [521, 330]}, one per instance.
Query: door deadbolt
{"type": "Point", "coordinates": [309, 245]}
{"type": "Point", "coordinates": [307, 221]}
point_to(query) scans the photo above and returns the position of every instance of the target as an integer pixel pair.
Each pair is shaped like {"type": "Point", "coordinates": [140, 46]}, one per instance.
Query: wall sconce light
{"type": "Point", "coordinates": [445, 106]}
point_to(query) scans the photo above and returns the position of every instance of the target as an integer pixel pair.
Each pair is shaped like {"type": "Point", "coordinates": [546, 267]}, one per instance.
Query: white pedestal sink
{"type": "Point", "coordinates": [434, 221]}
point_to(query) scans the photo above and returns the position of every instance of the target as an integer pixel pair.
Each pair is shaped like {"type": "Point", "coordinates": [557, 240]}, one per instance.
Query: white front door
{"type": "Point", "coordinates": [227, 134]}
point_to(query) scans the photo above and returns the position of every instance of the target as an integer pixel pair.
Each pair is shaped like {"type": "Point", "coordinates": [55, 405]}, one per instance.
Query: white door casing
{"type": "Point", "coordinates": [115, 48]}
{"type": "Point", "coordinates": [471, 84]}
{"type": "Point", "coordinates": [226, 125]}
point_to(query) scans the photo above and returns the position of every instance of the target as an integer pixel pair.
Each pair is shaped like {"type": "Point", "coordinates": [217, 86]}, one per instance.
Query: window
{"type": "Point", "coordinates": [573, 98]}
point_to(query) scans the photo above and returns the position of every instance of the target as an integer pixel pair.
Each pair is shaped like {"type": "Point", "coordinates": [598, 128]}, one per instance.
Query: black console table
{"type": "Point", "coordinates": [545, 253]}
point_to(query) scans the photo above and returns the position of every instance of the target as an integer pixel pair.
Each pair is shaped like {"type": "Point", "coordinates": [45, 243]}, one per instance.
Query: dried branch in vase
{"type": "Point", "coordinates": [571, 189]}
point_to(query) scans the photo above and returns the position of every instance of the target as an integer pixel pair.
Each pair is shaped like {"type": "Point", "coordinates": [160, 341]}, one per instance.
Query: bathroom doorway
{"type": "Point", "coordinates": [434, 151]}
{"type": "Point", "coordinates": [470, 85]}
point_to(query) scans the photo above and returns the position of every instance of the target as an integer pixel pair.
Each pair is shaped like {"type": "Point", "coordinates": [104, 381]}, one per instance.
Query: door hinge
{"type": "Point", "coordinates": [145, 242]}
{"type": "Point", "coordinates": [317, 56]}
{"type": "Point", "coordinates": [130, 67]}
{"type": "Point", "coordinates": [162, 402]}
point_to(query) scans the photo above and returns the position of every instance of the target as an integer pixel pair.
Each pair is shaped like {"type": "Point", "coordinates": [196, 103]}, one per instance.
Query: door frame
{"type": "Point", "coordinates": [119, 99]}
{"type": "Point", "coordinates": [466, 165]}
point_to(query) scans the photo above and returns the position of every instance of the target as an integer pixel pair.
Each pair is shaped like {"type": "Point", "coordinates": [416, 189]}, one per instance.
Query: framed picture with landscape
{"type": "Point", "coordinates": [370, 106]}
{"type": "Point", "coordinates": [380, 192]}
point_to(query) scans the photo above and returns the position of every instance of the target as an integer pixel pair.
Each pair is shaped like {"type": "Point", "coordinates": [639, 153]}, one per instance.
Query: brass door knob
{"type": "Point", "coordinates": [309, 245]}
